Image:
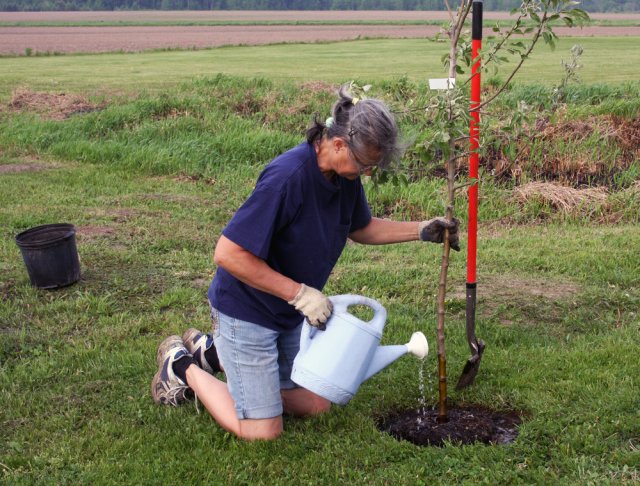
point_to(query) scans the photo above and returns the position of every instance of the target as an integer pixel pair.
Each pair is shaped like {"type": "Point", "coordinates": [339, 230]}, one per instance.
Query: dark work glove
{"type": "Point", "coordinates": [433, 230]}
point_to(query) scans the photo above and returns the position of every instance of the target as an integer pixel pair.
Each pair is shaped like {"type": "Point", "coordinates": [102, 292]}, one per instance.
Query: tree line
{"type": "Point", "coordinates": [489, 5]}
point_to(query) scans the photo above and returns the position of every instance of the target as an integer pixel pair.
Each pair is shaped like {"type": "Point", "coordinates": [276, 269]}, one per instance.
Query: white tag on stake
{"type": "Point", "coordinates": [442, 83]}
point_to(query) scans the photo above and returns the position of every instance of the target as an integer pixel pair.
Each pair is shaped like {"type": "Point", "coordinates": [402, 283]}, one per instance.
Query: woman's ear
{"type": "Point", "coordinates": [339, 144]}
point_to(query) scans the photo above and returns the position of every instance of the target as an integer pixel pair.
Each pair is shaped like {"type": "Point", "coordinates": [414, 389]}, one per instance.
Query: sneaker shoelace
{"type": "Point", "coordinates": [173, 395]}
{"type": "Point", "coordinates": [195, 395]}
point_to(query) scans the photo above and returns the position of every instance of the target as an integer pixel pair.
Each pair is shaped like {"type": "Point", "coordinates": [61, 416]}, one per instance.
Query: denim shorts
{"type": "Point", "coordinates": [257, 362]}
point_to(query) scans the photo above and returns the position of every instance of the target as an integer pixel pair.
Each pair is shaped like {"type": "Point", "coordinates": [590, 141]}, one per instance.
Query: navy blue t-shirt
{"type": "Point", "coordinates": [298, 222]}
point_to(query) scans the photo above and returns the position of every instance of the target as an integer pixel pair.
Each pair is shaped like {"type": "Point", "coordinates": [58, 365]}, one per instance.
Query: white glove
{"type": "Point", "coordinates": [314, 305]}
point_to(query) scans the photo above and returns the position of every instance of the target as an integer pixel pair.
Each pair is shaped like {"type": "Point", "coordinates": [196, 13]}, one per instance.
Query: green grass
{"type": "Point", "coordinates": [151, 179]}
{"type": "Point", "coordinates": [610, 60]}
{"type": "Point", "coordinates": [76, 363]}
{"type": "Point", "coordinates": [196, 130]}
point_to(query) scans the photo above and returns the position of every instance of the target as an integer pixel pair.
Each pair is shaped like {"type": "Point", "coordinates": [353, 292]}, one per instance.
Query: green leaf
{"type": "Point", "coordinates": [548, 39]}
{"type": "Point", "coordinates": [579, 14]}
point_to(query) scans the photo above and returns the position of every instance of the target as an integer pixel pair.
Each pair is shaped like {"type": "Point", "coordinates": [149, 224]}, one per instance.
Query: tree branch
{"type": "Point", "coordinates": [534, 41]}
{"type": "Point", "coordinates": [446, 2]}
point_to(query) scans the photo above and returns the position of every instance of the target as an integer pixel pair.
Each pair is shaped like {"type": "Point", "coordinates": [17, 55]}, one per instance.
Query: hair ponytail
{"type": "Point", "coordinates": [364, 124]}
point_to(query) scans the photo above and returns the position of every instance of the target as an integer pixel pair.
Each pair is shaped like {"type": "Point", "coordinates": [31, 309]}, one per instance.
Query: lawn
{"type": "Point", "coordinates": [560, 319]}
{"type": "Point", "coordinates": [150, 179]}
{"type": "Point", "coordinates": [605, 60]}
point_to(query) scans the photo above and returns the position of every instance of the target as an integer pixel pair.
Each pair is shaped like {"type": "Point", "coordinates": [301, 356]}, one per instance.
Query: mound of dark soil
{"type": "Point", "coordinates": [466, 425]}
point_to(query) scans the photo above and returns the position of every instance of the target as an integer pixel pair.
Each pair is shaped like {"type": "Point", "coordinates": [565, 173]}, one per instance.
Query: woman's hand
{"type": "Point", "coordinates": [384, 231]}
{"type": "Point", "coordinates": [433, 230]}
{"type": "Point", "coordinates": [314, 305]}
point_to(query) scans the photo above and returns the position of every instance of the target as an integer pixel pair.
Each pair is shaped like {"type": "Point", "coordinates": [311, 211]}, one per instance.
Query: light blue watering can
{"type": "Point", "coordinates": [333, 363]}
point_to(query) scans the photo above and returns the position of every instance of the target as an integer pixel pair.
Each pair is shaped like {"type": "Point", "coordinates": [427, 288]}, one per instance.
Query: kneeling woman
{"type": "Point", "coordinates": [273, 258]}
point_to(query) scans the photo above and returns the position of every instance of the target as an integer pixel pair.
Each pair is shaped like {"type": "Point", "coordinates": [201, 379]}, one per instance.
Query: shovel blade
{"type": "Point", "coordinates": [471, 368]}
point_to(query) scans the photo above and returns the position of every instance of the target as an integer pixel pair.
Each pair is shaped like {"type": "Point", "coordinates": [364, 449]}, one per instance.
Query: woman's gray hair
{"type": "Point", "coordinates": [366, 125]}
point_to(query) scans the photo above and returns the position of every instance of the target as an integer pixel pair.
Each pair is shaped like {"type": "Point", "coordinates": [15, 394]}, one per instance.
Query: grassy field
{"type": "Point", "coordinates": [560, 320]}
{"type": "Point", "coordinates": [150, 174]}
{"type": "Point", "coordinates": [606, 60]}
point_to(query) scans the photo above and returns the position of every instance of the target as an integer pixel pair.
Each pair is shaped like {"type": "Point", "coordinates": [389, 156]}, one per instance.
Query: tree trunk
{"type": "Point", "coordinates": [454, 35]}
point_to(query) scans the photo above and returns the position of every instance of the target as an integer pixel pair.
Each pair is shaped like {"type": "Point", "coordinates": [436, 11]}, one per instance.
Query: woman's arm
{"type": "Point", "coordinates": [383, 231]}
{"type": "Point", "coordinates": [253, 271]}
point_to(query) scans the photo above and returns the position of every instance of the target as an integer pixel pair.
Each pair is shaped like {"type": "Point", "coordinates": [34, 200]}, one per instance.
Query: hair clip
{"type": "Point", "coordinates": [328, 122]}
{"type": "Point", "coordinates": [352, 132]}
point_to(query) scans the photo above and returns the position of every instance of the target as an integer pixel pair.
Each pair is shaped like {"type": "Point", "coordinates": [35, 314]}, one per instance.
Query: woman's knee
{"type": "Point", "coordinates": [260, 429]}
{"type": "Point", "coordinates": [320, 405]}
{"type": "Point", "coordinates": [303, 403]}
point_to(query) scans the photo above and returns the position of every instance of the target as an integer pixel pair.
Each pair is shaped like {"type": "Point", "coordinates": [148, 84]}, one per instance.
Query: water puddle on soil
{"type": "Point", "coordinates": [465, 425]}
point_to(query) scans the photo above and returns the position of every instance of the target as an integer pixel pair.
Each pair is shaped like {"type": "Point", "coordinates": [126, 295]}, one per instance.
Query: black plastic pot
{"type": "Point", "coordinates": [50, 255]}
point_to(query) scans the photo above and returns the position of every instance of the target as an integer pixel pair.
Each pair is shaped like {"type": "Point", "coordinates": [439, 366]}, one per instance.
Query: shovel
{"type": "Point", "coordinates": [476, 346]}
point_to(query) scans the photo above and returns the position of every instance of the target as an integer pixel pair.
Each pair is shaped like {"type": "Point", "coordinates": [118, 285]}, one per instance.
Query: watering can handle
{"type": "Point", "coordinates": [342, 302]}
{"type": "Point", "coordinates": [308, 331]}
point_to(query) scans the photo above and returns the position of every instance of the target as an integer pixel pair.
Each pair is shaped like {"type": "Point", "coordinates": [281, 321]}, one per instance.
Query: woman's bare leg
{"type": "Point", "coordinates": [216, 398]}
{"type": "Point", "coordinates": [300, 402]}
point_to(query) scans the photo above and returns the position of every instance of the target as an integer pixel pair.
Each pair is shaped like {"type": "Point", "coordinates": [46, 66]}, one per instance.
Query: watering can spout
{"type": "Point", "coordinates": [418, 345]}
{"type": "Point", "coordinates": [385, 355]}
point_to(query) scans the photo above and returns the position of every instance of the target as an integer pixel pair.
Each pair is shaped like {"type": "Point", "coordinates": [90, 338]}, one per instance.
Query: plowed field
{"type": "Point", "coordinates": [16, 40]}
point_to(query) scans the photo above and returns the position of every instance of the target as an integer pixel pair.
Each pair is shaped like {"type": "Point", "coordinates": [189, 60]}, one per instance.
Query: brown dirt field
{"type": "Point", "coordinates": [258, 15]}
{"type": "Point", "coordinates": [15, 40]}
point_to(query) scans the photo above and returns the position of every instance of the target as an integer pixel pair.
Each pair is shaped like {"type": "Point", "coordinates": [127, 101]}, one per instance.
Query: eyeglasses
{"type": "Point", "coordinates": [362, 168]}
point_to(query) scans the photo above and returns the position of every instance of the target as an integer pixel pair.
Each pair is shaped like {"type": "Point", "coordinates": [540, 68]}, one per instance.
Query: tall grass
{"type": "Point", "coordinates": [219, 124]}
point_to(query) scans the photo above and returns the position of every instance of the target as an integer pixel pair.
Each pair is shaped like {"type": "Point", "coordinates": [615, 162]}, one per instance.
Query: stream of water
{"type": "Point", "coordinates": [426, 393]}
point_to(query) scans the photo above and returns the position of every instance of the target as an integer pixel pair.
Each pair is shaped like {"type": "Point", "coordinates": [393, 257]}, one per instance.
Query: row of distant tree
{"type": "Point", "coordinates": [490, 5]}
